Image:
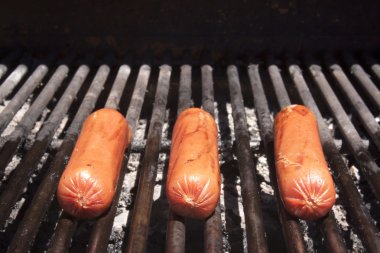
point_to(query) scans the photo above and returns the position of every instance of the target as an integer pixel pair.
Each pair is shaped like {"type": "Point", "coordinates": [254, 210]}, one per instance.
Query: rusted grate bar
{"type": "Point", "coordinates": [142, 209]}
{"type": "Point", "coordinates": [349, 194]}
{"type": "Point", "coordinates": [255, 230]}
{"type": "Point", "coordinates": [176, 229]}
{"type": "Point", "coordinates": [46, 190]}
{"type": "Point", "coordinates": [290, 226]}
{"type": "Point", "coordinates": [360, 108]}
{"type": "Point", "coordinates": [334, 240]}
{"type": "Point", "coordinates": [102, 229]}
{"type": "Point", "coordinates": [213, 226]}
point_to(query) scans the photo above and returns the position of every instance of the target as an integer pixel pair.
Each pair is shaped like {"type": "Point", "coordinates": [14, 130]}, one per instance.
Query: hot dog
{"type": "Point", "coordinates": [193, 181]}
{"type": "Point", "coordinates": [88, 184]}
{"type": "Point", "coordinates": [305, 183]}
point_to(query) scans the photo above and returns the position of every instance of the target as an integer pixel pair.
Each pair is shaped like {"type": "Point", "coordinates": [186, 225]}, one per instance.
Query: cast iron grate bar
{"type": "Point", "coordinates": [184, 94]}
{"type": "Point", "coordinates": [176, 228]}
{"type": "Point", "coordinates": [20, 177]}
{"type": "Point", "coordinates": [8, 60]}
{"type": "Point", "coordinates": [13, 79]}
{"type": "Point", "coordinates": [328, 224]}
{"type": "Point", "coordinates": [351, 136]}
{"type": "Point", "coordinates": [290, 226]}
{"type": "Point", "coordinates": [213, 225]}
{"type": "Point", "coordinates": [281, 93]}
{"type": "Point", "coordinates": [46, 190]}
{"type": "Point", "coordinates": [102, 228]}
{"type": "Point", "coordinates": [364, 80]}
{"type": "Point", "coordinates": [371, 62]}
{"type": "Point", "coordinates": [255, 231]}
{"type": "Point", "coordinates": [359, 214]}
{"type": "Point", "coordinates": [360, 108]}
{"type": "Point", "coordinates": [67, 224]}
{"type": "Point", "coordinates": [141, 212]}
{"type": "Point", "coordinates": [21, 96]}
{"type": "Point", "coordinates": [118, 87]}
{"type": "Point", "coordinates": [27, 122]}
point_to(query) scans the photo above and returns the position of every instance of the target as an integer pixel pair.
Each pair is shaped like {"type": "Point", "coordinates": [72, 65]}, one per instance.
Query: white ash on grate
{"type": "Point", "coordinates": [125, 205]}
{"type": "Point", "coordinates": [58, 136]}
{"type": "Point", "coordinates": [15, 120]}
{"type": "Point", "coordinates": [37, 127]}
{"type": "Point", "coordinates": [29, 190]}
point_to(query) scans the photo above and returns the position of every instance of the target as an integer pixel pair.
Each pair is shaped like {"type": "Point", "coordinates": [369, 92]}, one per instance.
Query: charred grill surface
{"type": "Point", "coordinates": [45, 99]}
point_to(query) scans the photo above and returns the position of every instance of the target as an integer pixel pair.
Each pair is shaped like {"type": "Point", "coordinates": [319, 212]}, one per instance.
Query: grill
{"type": "Point", "coordinates": [46, 98]}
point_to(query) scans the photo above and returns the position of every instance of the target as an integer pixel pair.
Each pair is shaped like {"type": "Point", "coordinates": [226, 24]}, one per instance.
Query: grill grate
{"type": "Point", "coordinates": [343, 96]}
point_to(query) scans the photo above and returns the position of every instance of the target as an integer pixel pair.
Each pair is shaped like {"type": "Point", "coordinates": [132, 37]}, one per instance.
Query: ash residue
{"type": "Point", "coordinates": [17, 117]}
{"type": "Point", "coordinates": [37, 127]}
{"type": "Point", "coordinates": [57, 138]}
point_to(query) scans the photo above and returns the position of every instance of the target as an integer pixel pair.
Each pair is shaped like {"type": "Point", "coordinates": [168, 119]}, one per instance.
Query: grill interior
{"type": "Point", "coordinates": [45, 99]}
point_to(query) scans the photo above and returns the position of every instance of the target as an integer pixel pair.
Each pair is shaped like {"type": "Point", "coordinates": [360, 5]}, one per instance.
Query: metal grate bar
{"type": "Point", "coordinates": [61, 239]}
{"type": "Point", "coordinates": [27, 122]}
{"type": "Point", "coordinates": [137, 101]}
{"type": "Point", "coordinates": [118, 87]}
{"type": "Point", "coordinates": [364, 80]}
{"type": "Point", "coordinates": [184, 96]}
{"type": "Point", "coordinates": [17, 101]}
{"type": "Point", "coordinates": [141, 212]}
{"type": "Point", "coordinates": [46, 190]}
{"type": "Point", "coordinates": [176, 228]}
{"type": "Point", "coordinates": [68, 222]}
{"type": "Point", "coordinates": [328, 226]}
{"type": "Point", "coordinates": [12, 80]}
{"type": "Point", "coordinates": [281, 94]}
{"type": "Point", "coordinates": [207, 89]}
{"type": "Point", "coordinates": [332, 234]}
{"type": "Point", "coordinates": [9, 59]}
{"type": "Point", "coordinates": [28, 228]}
{"type": "Point", "coordinates": [213, 226]}
{"type": "Point", "coordinates": [359, 214]}
{"type": "Point", "coordinates": [102, 229]}
{"type": "Point", "coordinates": [255, 231]}
{"type": "Point", "coordinates": [351, 136]}
{"type": "Point", "coordinates": [356, 101]}
{"type": "Point", "coordinates": [290, 226]}
{"type": "Point", "coordinates": [375, 67]}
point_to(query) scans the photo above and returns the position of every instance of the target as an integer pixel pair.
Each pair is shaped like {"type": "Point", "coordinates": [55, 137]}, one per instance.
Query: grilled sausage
{"type": "Point", "coordinates": [193, 182]}
{"type": "Point", "coordinates": [88, 184]}
{"type": "Point", "coordinates": [305, 183]}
